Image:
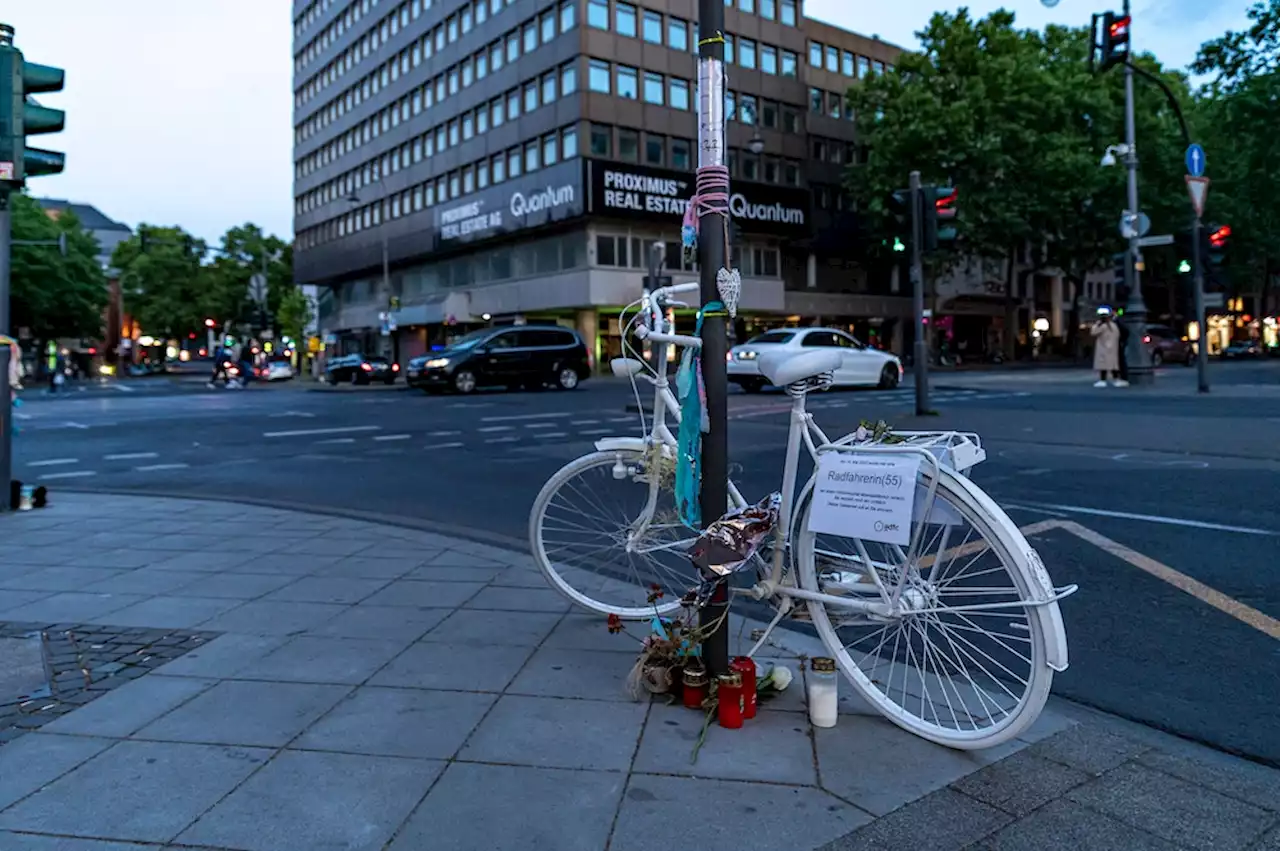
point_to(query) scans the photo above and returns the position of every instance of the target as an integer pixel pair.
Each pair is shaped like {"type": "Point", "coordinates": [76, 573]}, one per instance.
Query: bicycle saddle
{"type": "Point", "coordinates": [782, 368]}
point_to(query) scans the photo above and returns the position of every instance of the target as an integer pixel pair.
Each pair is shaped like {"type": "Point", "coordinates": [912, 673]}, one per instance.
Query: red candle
{"type": "Point", "coordinates": [746, 668]}
{"type": "Point", "coordinates": [730, 693]}
{"type": "Point", "coordinates": [695, 687]}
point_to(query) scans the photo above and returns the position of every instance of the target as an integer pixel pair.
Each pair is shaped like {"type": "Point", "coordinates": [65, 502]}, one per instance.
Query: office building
{"type": "Point", "coordinates": [463, 163]}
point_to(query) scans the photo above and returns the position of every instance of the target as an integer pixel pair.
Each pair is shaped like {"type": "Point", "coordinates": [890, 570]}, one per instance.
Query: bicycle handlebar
{"type": "Point", "coordinates": [670, 339]}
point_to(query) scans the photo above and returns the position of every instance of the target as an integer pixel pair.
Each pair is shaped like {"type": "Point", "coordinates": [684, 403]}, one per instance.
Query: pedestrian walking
{"type": "Point", "coordinates": [1106, 349]}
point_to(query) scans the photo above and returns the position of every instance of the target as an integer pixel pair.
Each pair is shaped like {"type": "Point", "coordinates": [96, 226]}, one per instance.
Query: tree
{"type": "Point", "coordinates": [295, 313]}
{"type": "Point", "coordinates": [240, 257]}
{"type": "Point", "coordinates": [165, 287]}
{"type": "Point", "coordinates": [51, 294]}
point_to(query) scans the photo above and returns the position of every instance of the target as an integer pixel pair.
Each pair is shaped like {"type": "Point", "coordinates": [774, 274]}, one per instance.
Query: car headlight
{"type": "Point", "coordinates": [436, 363]}
{"type": "Point", "coordinates": [747, 355]}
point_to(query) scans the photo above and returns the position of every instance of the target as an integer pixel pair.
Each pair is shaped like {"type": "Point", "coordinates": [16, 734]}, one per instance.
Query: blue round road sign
{"type": "Point", "coordinates": [1195, 160]}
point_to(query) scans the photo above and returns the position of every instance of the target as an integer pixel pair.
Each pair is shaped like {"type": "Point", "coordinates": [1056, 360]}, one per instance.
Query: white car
{"type": "Point", "coordinates": [861, 365]}
{"type": "Point", "coordinates": [277, 370]}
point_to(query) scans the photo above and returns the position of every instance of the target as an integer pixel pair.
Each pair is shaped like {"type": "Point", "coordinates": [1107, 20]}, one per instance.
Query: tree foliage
{"type": "Point", "coordinates": [51, 294]}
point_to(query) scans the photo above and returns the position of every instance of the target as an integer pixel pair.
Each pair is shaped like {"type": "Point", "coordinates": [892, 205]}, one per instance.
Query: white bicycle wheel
{"type": "Point", "coordinates": [583, 535]}
{"type": "Point", "coordinates": [960, 694]}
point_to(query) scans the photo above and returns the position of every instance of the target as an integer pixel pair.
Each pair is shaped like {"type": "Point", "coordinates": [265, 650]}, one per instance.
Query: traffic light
{"type": "Point", "coordinates": [1118, 264]}
{"type": "Point", "coordinates": [940, 208]}
{"type": "Point", "coordinates": [901, 209]}
{"type": "Point", "coordinates": [21, 117]}
{"type": "Point", "coordinates": [1219, 239]}
{"type": "Point", "coordinates": [1115, 40]}
{"type": "Point", "coordinates": [209, 323]}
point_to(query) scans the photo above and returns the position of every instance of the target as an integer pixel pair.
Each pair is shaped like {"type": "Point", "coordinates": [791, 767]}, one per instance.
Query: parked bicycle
{"type": "Point", "coordinates": [903, 624]}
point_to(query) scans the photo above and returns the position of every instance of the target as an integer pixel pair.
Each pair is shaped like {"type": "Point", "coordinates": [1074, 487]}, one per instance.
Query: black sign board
{"type": "Point", "coordinates": [622, 190]}
{"type": "Point", "coordinates": [546, 196]}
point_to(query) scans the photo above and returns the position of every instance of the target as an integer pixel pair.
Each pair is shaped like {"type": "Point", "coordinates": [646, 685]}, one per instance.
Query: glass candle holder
{"type": "Point", "coordinates": [729, 691]}
{"type": "Point", "coordinates": [822, 692]}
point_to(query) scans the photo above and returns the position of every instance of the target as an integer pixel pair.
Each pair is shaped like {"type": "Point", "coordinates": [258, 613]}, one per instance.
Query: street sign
{"type": "Point", "coordinates": [258, 288]}
{"type": "Point", "coordinates": [1214, 300]}
{"type": "Point", "coordinates": [1198, 189]}
{"type": "Point", "coordinates": [1195, 160]}
{"type": "Point", "coordinates": [1152, 241]}
{"type": "Point", "coordinates": [1132, 226]}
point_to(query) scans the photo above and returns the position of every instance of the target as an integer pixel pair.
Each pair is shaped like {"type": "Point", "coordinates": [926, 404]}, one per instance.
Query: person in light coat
{"type": "Point", "coordinates": [1106, 349]}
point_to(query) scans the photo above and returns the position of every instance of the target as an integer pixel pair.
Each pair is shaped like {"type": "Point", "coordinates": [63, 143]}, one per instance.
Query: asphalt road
{"type": "Point", "coordinates": [1187, 481]}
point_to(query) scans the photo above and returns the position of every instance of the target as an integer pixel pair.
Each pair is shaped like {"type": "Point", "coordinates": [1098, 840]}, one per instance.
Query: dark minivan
{"type": "Point", "coordinates": [529, 356]}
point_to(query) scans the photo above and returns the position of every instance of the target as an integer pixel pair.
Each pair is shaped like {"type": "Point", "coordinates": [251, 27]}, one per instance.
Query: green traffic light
{"type": "Point", "coordinates": [898, 245]}
{"type": "Point", "coordinates": [1184, 267]}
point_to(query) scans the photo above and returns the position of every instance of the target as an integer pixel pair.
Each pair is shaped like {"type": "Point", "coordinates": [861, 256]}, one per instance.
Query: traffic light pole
{"type": "Point", "coordinates": [713, 255]}
{"type": "Point", "coordinates": [6, 403]}
{"type": "Point", "coordinates": [920, 350]}
{"type": "Point", "coordinates": [1137, 357]}
{"type": "Point", "coordinates": [1197, 271]}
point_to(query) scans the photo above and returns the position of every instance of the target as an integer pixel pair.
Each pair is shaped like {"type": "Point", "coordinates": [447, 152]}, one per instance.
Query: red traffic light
{"type": "Point", "coordinates": [1119, 29]}
{"type": "Point", "coordinates": [1218, 239]}
{"type": "Point", "coordinates": [945, 206]}
{"type": "Point", "coordinates": [209, 323]}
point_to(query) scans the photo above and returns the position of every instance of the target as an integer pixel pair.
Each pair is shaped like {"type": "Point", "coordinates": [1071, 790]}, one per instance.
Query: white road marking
{"type": "Point", "coordinates": [442, 433]}
{"type": "Point", "coordinates": [130, 456]}
{"type": "Point", "coordinates": [596, 431]}
{"type": "Point", "coordinates": [493, 428]}
{"type": "Point", "coordinates": [151, 468]}
{"type": "Point", "coordinates": [622, 420]}
{"type": "Point", "coordinates": [382, 437]}
{"type": "Point", "coordinates": [75, 425]}
{"type": "Point", "coordinates": [79, 474]}
{"type": "Point", "coordinates": [303, 432]}
{"type": "Point", "coordinates": [512, 419]}
{"type": "Point", "coordinates": [1038, 471]}
{"type": "Point", "coordinates": [541, 425]}
{"type": "Point", "coordinates": [1154, 518]}
{"type": "Point", "coordinates": [18, 416]}
{"type": "Point", "coordinates": [1012, 507]}
{"type": "Point", "coordinates": [502, 440]}
{"type": "Point", "coordinates": [547, 435]}
{"type": "Point", "coordinates": [335, 440]}
{"type": "Point", "coordinates": [123, 388]}
{"type": "Point", "coordinates": [303, 414]}
{"type": "Point", "coordinates": [446, 446]}
{"type": "Point", "coordinates": [584, 422]}
{"type": "Point", "coordinates": [53, 462]}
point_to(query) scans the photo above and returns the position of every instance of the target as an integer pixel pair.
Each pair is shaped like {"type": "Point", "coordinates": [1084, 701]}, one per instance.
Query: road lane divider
{"type": "Point", "coordinates": [1152, 518]}
{"type": "Point", "coordinates": [130, 456]}
{"type": "Point", "coordinates": [74, 474]}
{"type": "Point", "coordinates": [153, 468]}
{"type": "Point", "coordinates": [53, 462]}
{"type": "Point", "coordinates": [306, 432]}
{"type": "Point", "coordinates": [519, 417]}
{"type": "Point", "coordinates": [386, 437]}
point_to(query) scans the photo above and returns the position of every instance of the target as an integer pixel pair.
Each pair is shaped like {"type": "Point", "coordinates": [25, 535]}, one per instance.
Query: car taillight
{"type": "Point", "coordinates": [1146, 339]}
{"type": "Point", "coordinates": [366, 367]}
{"type": "Point", "coordinates": [395, 367]}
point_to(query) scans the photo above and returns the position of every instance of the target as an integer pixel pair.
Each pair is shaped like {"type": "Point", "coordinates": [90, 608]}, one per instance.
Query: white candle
{"type": "Point", "coordinates": [822, 692]}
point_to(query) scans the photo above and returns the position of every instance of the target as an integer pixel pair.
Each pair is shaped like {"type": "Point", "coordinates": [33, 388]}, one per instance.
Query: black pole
{"type": "Point", "coordinates": [6, 403]}
{"type": "Point", "coordinates": [921, 347]}
{"type": "Point", "coordinates": [713, 255]}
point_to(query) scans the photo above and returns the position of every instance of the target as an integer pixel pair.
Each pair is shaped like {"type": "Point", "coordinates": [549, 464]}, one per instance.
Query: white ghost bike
{"type": "Point", "coordinates": [954, 636]}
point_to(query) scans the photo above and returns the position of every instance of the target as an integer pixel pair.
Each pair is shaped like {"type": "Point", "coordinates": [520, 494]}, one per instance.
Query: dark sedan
{"type": "Point", "coordinates": [358, 369]}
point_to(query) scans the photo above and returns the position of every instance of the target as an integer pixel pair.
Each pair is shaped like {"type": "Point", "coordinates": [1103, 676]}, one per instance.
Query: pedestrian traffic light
{"type": "Point", "coordinates": [21, 117]}
{"type": "Point", "coordinates": [1115, 40]}
{"type": "Point", "coordinates": [1219, 238]}
{"type": "Point", "coordinates": [940, 208]}
{"type": "Point", "coordinates": [900, 207]}
{"type": "Point", "coordinates": [1119, 262]}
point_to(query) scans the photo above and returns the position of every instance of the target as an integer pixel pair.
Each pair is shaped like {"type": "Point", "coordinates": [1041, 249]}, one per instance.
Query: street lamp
{"type": "Point", "coordinates": [756, 145]}
{"type": "Point", "coordinates": [1109, 157]}
{"type": "Point", "coordinates": [354, 199]}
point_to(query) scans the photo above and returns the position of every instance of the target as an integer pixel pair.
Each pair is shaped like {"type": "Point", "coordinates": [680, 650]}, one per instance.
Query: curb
{"type": "Point", "coordinates": [465, 533]}
{"type": "Point", "coordinates": [348, 389]}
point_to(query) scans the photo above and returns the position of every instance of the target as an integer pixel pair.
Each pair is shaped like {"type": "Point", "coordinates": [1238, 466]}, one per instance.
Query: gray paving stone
{"type": "Point", "coordinates": [538, 805]}
{"type": "Point", "coordinates": [391, 622]}
{"type": "Point", "coordinates": [1062, 824]}
{"type": "Point", "coordinates": [88, 801]}
{"type": "Point", "coordinates": [520, 576]}
{"type": "Point", "coordinates": [460, 667]}
{"type": "Point", "coordinates": [71, 607]}
{"type": "Point", "coordinates": [320, 659]}
{"type": "Point", "coordinates": [942, 821]}
{"type": "Point", "coordinates": [130, 707]}
{"type": "Point", "coordinates": [519, 600]}
{"type": "Point", "coordinates": [1269, 842]}
{"type": "Point", "coordinates": [246, 713]}
{"type": "Point", "coordinates": [122, 558]}
{"type": "Point", "coordinates": [364, 567]}
{"type": "Point", "coordinates": [171, 611]}
{"type": "Point", "coordinates": [459, 558]}
{"type": "Point", "coordinates": [588, 674]}
{"type": "Point", "coordinates": [142, 580]}
{"type": "Point", "coordinates": [195, 561]}
{"type": "Point", "coordinates": [317, 800]}
{"type": "Point", "coordinates": [773, 747]}
{"type": "Point", "coordinates": [235, 586]}
{"type": "Point", "coordinates": [1050, 723]}
{"type": "Point", "coordinates": [471, 626]}
{"type": "Point", "coordinates": [1089, 747]}
{"type": "Point", "coordinates": [329, 545]}
{"type": "Point", "coordinates": [31, 842]}
{"type": "Point", "coordinates": [59, 578]}
{"type": "Point", "coordinates": [433, 573]}
{"type": "Point", "coordinates": [1021, 783]}
{"type": "Point", "coordinates": [327, 589]}
{"type": "Point", "coordinates": [880, 767]}
{"type": "Point", "coordinates": [590, 632]}
{"type": "Point", "coordinates": [10, 600]}
{"type": "Point", "coordinates": [37, 759]}
{"type": "Point", "coordinates": [671, 812]}
{"type": "Point", "coordinates": [273, 617]}
{"type": "Point", "coordinates": [1185, 814]}
{"type": "Point", "coordinates": [557, 733]}
{"type": "Point", "coordinates": [1236, 778]}
{"type": "Point", "coordinates": [224, 656]}
{"type": "Point", "coordinates": [407, 592]}
{"type": "Point", "coordinates": [399, 722]}
{"type": "Point", "coordinates": [287, 562]}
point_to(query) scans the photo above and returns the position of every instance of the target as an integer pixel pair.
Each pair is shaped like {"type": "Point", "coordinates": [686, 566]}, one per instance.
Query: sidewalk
{"type": "Point", "coordinates": [218, 676]}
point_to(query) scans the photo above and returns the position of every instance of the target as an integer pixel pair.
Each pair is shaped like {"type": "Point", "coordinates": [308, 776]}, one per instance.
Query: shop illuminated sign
{"type": "Point", "coordinates": [479, 219]}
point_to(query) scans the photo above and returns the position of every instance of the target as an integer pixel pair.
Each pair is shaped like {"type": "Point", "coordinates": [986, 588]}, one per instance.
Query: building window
{"type": "Point", "coordinates": [530, 97]}
{"type": "Point", "coordinates": [453, 133]}
{"type": "Point", "coordinates": [769, 115]}
{"type": "Point", "coordinates": [678, 93]}
{"type": "Point", "coordinates": [495, 55]}
{"type": "Point", "coordinates": [790, 120]}
{"type": "Point", "coordinates": [513, 163]}
{"type": "Point", "coordinates": [627, 82]}
{"type": "Point", "coordinates": [624, 19]}
{"type": "Point", "coordinates": [568, 15]}
{"type": "Point", "coordinates": [728, 48]}
{"type": "Point", "coordinates": [568, 142]}
{"type": "Point", "coordinates": [788, 16]}
{"type": "Point", "coordinates": [750, 168]}
{"type": "Point", "coordinates": [628, 145]}
{"type": "Point", "coordinates": [768, 59]}
{"type": "Point", "coordinates": [598, 76]}
{"type": "Point", "coordinates": [652, 27]}
{"type": "Point", "coordinates": [482, 120]}
{"type": "Point", "coordinates": [569, 79]}
{"type": "Point", "coordinates": [466, 20]}
{"type": "Point", "coordinates": [468, 180]}
{"type": "Point", "coordinates": [833, 59]}
{"type": "Point", "coordinates": [747, 53]}
{"type": "Point", "coordinates": [748, 6]}
{"type": "Point", "coordinates": [455, 187]}
{"type": "Point", "coordinates": [768, 9]}
{"type": "Point", "coordinates": [482, 65]}
{"type": "Point", "coordinates": [730, 106]}
{"type": "Point", "coordinates": [819, 150]}
{"type": "Point", "coordinates": [513, 103]}
{"type": "Point", "coordinates": [598, 14]}
{"type": "Point", "coordinates": [468, 127]}
{"type": "Point", "coordinates": [550, 149]}
{"type": "Point", "coordinates": [748, 110]}
{"type": "Point", "coordinates": [681, 154]}
{"type": "Point", "coordinates": [815, 100]}
{"type": "Point", "coordinates": [496, 115]}
{"type": "Point", "coordinates": [846, 63]}
{"type": "Point", "coordinates": [499, 163]}
{"type": "Point", "coordinates": [864, 66]}
{"type": "Point", "coordinates": [547, 24]}
{"type": "Point", "coordinates": [815, 54]}
{"type": "Point", "coordinates": [848, 109]}
{"type": "Point", "coordinates": [601, 141]}
{"type": "Point", "coordinates": [655, 149]}
{"type": "Point", "coordinates": [677, 34]}
{"type": "Point", "coordinates": [529, 35]}
{"type": "Point", "coordinates": [833, 104]}
{"type": "Point", "coordinates": [548, 88]}
{"type": "Point", "coordinates": [789, 63]}
{"type": "Point", "coordinates": [771, 171]}
{"type": "Point", "coordinates": [607, 250]}
{"type": "Point", "coordinates": [653, 88]}
{"type": "Point", "coordinates": [530, 156]}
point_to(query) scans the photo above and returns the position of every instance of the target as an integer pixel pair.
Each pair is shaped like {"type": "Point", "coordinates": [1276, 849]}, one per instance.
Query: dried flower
{"type": "Point", "coordinates": [655, 593]}
{"type": "Point", "coordinates": [615, 624]}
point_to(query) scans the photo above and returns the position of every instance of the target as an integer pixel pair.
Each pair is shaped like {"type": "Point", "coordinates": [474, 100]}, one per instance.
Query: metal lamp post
{"type": "Point", "coordinates": [386, 266]}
